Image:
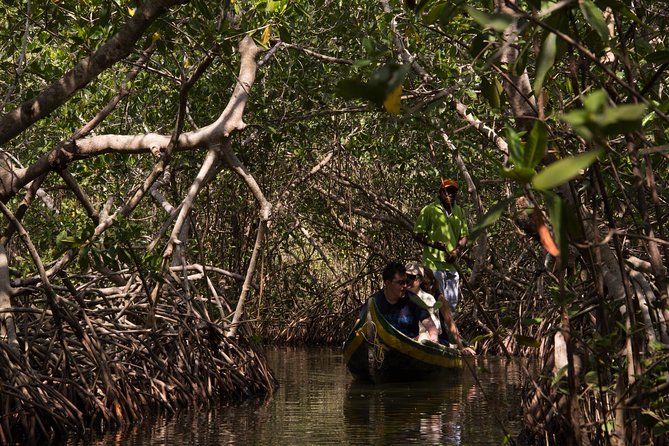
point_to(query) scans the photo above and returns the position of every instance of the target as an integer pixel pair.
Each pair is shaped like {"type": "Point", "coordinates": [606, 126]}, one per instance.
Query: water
{"type": "Point", "coordinates": [318, 403]}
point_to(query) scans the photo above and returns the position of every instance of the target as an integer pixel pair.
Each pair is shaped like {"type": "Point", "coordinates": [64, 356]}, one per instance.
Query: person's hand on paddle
{"type": "Point", "coordinates": [467, 351]}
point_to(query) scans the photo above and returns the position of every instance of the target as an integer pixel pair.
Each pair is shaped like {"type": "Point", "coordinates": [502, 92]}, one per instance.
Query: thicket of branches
{"type": "Point", "coordinates": [179, 177]}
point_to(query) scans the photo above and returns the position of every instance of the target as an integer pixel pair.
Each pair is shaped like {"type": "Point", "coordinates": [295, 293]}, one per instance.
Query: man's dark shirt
{"type": "Point", "coordinates": [404, 315]}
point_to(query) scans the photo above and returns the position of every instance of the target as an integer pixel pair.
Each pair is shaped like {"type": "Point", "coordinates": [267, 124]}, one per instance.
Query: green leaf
{"type": "Point", "coordinates": [520, 174]}
{"type": "Point", "coordinates": [545, 62]}
{"type": "Point", "coordinates": [82, 259]}
{"type": "Point", "coordinates": [479, 43]}
{"type": "Point", "coordinates": [449, 12]}
{"type": "Point", "coordinates": [498, 22]}
{"type": "Point", "coordinates": [658, 57]}
{"type": "Point", "coordinates": [596, 101]}
{"type": "Point", "coordinates": [578, 119]}
{"type": "Point", "coordinates": [362, 63]}
{"type": "Point", "coordinates": [418, 301]}
{"type": "Point", "coordinates": [536, 145]}
{"type": "Point", "coordinates": [284, 34]}
{"type": "Point", "coordinates": [593, 15]}
{"type": "Point", "coordinates": [479, 338]}
{"type": "Point", "coordinates": [622, 119]}
{"type": "Point", "coordinates": [592, 379]}
{"type": "Point", "coordinates": [559, 375]}
{"type": "Point", "coordinates": [516, 148]}
{"type": "Point", "coordinates": [369, 45]}
{"type": "Point", "coordinates": [527, 341]}
{"type": "Point", "coordinates": [490, 217]}
{"type": "Point", "coordinates": [433, 15]}
{"type": "Point", "coordinates": [661, 428]}
{"type": "Point", "coordinates": [529, 321]}
{"type": "Point", "coordinates": [564, 170]}
{"type": "Point", "coordinates": [608, 426]}
{"type": "Point", "coordinates": [490, 92]}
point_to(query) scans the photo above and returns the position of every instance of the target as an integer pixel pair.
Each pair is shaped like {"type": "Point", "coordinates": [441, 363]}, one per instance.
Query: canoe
{"type": "Point", "coordinates": [377, 351]}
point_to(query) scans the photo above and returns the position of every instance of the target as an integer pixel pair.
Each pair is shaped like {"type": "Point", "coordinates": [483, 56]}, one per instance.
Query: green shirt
{"type": "Point", "coordinates": [440, 226]}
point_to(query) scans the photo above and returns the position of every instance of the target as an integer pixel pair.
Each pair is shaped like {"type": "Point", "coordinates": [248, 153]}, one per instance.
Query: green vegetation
{"type": "Point", "coordinates": [243, 169]}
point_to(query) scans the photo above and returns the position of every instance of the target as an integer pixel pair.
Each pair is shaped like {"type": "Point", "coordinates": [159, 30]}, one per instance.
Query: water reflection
{"type": "Point", "coordinates": [318, 403]}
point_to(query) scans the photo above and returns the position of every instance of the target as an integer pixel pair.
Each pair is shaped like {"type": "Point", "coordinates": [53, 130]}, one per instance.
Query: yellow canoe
{"type": "Point", "coordinates": [377, 351]}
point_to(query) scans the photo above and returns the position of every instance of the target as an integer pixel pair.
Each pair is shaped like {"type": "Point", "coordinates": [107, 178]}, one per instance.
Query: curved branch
{"type": "Point", "coordinates": [56, 94]}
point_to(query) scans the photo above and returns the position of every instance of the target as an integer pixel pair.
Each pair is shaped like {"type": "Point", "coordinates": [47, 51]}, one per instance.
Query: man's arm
{"type": "Point", "coordinates": [432, 331]}
{"type": "Point", "coordinates": [424, 240]}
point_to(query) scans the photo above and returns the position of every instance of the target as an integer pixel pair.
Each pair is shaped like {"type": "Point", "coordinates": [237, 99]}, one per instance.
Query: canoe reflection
{"type": "Point", "coordinates": [416, 413]}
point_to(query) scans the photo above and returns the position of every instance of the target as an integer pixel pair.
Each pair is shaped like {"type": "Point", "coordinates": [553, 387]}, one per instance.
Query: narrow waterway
{"type": "Point", "coordinates": [318, 403]}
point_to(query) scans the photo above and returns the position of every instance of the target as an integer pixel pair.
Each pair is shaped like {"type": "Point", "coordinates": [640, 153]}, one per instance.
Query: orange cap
{"type": "Point", "coordinates": [449, 183]}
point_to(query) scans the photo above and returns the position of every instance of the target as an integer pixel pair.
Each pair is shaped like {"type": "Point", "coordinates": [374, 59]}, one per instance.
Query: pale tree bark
{"type": "Point", "coordinates": [7, 326]}
{"type": "Point", "coordinates": [517, 86]}
{"type": "Point", "coordinates": [265, 213]}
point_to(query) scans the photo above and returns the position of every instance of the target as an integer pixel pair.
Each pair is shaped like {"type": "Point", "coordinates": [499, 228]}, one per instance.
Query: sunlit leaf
{"type": "Point", "coordinates": [545, 62]}
{"type": "Point", "coordinates": [622, 119]}
{"type": "Point", "coordinates": [564, 170]}
{"type": "Point", "coordinates": [593, 15]}
{"type": "Point", "coordinates": [536, 145]}
{"type": "Point", "coordinates": [608, 426]}
{"type": "Point", "coordinates": [578, 119]}
{"type": "Point", "coordinates": [596, 101]}
{"type": "Point", "coordinates": [520, 174]}
{"type": "Point", "coordinates": [273, 6]}
{"type": "Point", "coordinates": [515, 146]}
{"type": "Point", "coordinates": [266, 35]}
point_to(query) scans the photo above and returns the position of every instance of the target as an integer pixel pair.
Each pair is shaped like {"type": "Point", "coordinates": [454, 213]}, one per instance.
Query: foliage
{"type": "Point", "coordinates": [357, 111]}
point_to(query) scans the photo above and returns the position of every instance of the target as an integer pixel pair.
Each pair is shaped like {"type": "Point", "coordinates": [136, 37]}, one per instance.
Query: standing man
{"type": "Point", "coordinates": [442, 227]}
{"type": "Point", "coordinates": [399, 310]}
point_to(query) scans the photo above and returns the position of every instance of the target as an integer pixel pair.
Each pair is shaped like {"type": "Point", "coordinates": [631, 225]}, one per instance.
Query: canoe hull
{"type": "Point", "coordinates": [377, 351]}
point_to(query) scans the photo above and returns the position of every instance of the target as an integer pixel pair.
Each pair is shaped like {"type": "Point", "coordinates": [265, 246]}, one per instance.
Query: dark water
{"type": "Point", "coordinates": [318, 403]}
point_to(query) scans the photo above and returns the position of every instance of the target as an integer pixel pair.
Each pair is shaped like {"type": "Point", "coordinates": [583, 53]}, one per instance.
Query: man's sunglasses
{"type": "Point", "coordinates": [408, 281]}
{"type": "Point", "coordinates": [402, 282]}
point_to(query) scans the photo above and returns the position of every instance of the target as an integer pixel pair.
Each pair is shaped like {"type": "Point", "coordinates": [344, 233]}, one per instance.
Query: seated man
{"type": "Point", "coordinates": [397, 308]}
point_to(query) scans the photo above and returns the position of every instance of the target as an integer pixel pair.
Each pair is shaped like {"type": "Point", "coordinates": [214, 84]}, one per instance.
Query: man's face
{"type": "Point", "coordinates": [448, 195]}
{"type": "Point", "coordinates": [396, 288]}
